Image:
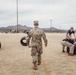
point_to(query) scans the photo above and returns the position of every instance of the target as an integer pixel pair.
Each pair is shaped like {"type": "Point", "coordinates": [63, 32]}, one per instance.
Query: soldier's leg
{"type": "Point", "coordinates": [35, 62]}
{"type": "Point", "coordinates": [39, 59]}
{"type": "Point", "coordinates": [35, 65]}
{"type": "Point", "coordinates": [34, 54]}
{"type": "Point", "coordinates": [40, 51]}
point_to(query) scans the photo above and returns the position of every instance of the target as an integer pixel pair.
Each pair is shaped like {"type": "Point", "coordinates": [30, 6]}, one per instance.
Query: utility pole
{"type": "Point", "coordinates": [17, 13]}
{"type": "Point", "coordinates": [51, 24]}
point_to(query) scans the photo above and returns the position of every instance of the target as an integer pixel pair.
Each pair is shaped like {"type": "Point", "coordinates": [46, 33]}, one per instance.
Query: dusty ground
{"type": "Point", "coordinates": [15, 59]}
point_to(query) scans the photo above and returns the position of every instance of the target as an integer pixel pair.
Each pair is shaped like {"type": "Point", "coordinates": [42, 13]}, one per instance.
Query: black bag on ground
{"type": "Point", "coordinates": [0, 44]}
{"type": "Point", "coordinates": [22, 41]}
{"type": "Point", "coordinates": [75, 49]}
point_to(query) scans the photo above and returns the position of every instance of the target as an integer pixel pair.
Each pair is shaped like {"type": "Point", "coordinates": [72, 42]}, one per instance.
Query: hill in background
{"type": "Point", "coordinates": [24, 27]}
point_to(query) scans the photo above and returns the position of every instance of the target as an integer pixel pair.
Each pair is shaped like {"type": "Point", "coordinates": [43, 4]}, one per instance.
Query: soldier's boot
{"type": "Point", "coordinates": [63, 51]}
{"type": "Point", "coordinates": [35, 66]}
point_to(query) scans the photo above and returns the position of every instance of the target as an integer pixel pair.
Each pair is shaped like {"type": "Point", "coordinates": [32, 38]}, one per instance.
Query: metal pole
{"type": "Point", "coordinates": [17, 14]}
{"type": "Point", "coordinates": [51, 25]}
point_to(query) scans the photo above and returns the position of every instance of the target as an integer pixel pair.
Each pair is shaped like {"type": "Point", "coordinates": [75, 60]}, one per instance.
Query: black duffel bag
{"type": "Point", "coordinates": [0, 44]}
{"type": "Point", "coordinates": [75, 49]}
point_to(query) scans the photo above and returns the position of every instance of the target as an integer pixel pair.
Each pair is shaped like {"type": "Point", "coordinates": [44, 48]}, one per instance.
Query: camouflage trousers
{"type": "Point", "coordinates": [36, 53]}
{"type": "Point", "coordinates": [71, 46]}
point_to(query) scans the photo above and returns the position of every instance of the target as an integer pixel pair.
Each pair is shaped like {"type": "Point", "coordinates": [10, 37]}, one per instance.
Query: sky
{"type": "Point", "coordinates": [50, 13]}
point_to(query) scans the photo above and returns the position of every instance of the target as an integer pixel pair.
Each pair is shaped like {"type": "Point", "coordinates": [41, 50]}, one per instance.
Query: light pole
{"type": "Point", "coordinates": [51, 24]}
{"type": "Point", "coordinates": [17, 13]}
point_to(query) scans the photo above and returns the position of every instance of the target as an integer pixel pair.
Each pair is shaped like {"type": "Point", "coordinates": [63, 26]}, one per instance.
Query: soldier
{"type": "Point", "coordinates": [36, 35]}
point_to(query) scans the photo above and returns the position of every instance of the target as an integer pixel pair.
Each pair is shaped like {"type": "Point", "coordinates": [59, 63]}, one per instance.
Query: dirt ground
{"type": "Point", "coordinates": [16, 59]}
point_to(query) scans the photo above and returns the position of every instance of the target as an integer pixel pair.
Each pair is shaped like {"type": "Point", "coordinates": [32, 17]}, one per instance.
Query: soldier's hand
{"type": "Point", "coordinates": [45, 45]}
{"type": "Point", "coordinates": [29, 46]}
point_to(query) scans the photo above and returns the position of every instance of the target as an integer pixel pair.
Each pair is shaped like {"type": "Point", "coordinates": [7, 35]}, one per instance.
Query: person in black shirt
{"type": "Point", "coordinates": [71, 31]}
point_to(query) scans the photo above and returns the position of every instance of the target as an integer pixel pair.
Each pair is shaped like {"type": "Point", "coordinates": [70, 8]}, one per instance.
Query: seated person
{"type": "Point", "coordinates": [69, 43]}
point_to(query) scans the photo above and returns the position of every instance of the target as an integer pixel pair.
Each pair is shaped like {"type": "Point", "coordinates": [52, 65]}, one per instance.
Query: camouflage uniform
{"type": "Point", "coordinates": [36, 35]}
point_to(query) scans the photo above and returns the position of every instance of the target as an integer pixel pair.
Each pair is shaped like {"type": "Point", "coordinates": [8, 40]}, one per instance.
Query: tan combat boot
{"type": "Point", "coordinates": [35, 66]}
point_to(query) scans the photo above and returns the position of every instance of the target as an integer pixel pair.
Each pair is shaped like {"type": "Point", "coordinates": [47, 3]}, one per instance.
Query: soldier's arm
{"type": "Point", "coordinates": [28, 38]}
{"type": "Point", "coordinates": [44, 38]}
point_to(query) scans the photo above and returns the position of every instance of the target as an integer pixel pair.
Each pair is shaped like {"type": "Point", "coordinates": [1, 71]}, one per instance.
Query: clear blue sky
{"type": "Point", "coordinates": [61, 12]}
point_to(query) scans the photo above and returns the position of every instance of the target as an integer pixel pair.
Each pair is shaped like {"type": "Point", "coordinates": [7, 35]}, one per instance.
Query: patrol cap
{"type": "Point", "coordinates": [36, 22]}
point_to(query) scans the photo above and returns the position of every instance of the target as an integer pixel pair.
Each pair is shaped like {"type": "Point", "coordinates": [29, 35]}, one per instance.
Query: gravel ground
{"type": "Point", "coordinates": [16, 59]}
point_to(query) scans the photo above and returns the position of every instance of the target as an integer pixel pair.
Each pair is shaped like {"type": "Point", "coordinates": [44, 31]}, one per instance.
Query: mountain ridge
{"type": "Point", "coordinates": [24, 27]}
